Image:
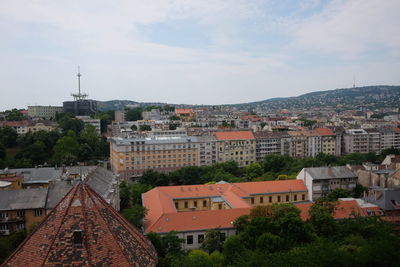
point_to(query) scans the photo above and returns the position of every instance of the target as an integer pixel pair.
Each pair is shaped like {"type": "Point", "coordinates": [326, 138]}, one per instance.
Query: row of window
{"type": "Point", "coordinates": [200, 238]}
{"type": "Point", "coordinates": [20, 213]}
{"type": "Point", "coordinates": [278, 198]}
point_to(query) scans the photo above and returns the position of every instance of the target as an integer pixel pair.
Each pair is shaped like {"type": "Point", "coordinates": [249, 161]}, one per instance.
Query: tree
{"type": "Point", "coordinates": [213, 241]}
{"type": "Point", "coordinates": [276, 163]}
{"type": "Point", "coordinates": [174, 118]}
{"type": "Point", "coordinates": [254, 170]}
{"type": "Point", "coordinates": [338, 193]}
{"type": "Point", "coordinates": [173, 126]}
{"type": "Point", "coordinates": [68, 122]}
{"type": "Point", "coordinates": [145, 127]}
{"type": "Point", "coordinates": [8, 136]}
{"type": "Point", "coordinates": [14, 115]}
{"type": "Point", "coordinates": [134, 114]}
{"type": "Point", "coordinates": [134, 127]}
{"type": "Point", "coordinates": [321, 217]}
{"type": "Point", "coordinates": [135, 215]}
{"type": "Point", "coordinates": [263, 124]}
{"type": "Point", "coordinates": [67, 149]}
{"type": "Point", "coordinates": [2, 151]}
{"type": "Point", "coordinates": [36, 152]}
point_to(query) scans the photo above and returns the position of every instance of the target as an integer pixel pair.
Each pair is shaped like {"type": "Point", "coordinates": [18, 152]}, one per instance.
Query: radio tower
{"type": "Point", "coordinates": [79, 96]}
{"type": "Point", "coordinates": [354, 81]}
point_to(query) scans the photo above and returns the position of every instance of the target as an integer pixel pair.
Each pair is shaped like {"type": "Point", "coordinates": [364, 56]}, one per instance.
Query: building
{"type": "Point", "coordinates": [93, 122]}
{"type": "Point", "coordinates": [191, 210]}
{"type": "Point", "coordinates": [83, 230]}
{"type": "Point", "coordinates": [321, 181]}
{"type": "Point", "coordinates": [44, 112]}
{"type": "Point", "coordinates": [20, 209]}
{"type": "Point", "coordinates": [82, 107]}
{"type": "Point", "coordinates": [328, 140]}
{"type": "Point", "coordinates": [390, 138]}
{"type": "Point", "coordinates": [362, 141]}
{"type": "Point", "coordinates": [153, 114]}
{"type": "Point", "coordinates": [239, 146]}
{"type": "Point", "coordinates": [207, 150]}
{"type": "Point", "coordinates": [185, 114]}
{"type": "Point", "coordinates": [272, 143]}
{"type": "Point", "coordinates": [131, 157]}
{"type": "Point", "coordinates": [120, 115]}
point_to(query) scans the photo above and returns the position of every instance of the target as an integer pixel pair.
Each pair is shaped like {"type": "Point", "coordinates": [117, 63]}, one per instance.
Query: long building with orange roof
{"type": "Point", "coordinates": [191, 210]}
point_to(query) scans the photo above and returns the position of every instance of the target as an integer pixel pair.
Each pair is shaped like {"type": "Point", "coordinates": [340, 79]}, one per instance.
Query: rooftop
{"type": "Point", "coordinates": [235, 135]}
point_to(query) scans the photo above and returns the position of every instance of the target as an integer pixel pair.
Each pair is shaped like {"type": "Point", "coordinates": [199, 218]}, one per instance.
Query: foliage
{"type": "Point", "coordinates": [135, 215]}
{"type": "Point", "coordinates": [8, 136]}
{"type": "Point", "coordinates": [67, 122]}
{"type": "Point", "coordinates": [254, 170]}
{"type": "Point", "coordinates": [338, 193]}
{"type": "Point", "coordinates": [134, 127]}
{"type": "Point", "coordinates": [174, 118]}
{"type": "Point", "coordinates": [9, 243]}
{"type": "Point", "coordinates": [134, 114]}
{"type": "Point", "coordinates": [145, 127]}
{"type": "Point", "coordinates": [213, 241]}
{"type": "Point", "coordinates": [14, 115]}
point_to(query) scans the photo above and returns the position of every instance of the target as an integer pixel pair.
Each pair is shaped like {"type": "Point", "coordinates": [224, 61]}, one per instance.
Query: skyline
{"type": "Point", "coordinates": [194, 52]}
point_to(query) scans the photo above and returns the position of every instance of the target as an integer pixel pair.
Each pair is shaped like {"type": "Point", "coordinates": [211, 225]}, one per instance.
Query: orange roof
{"type": "Point", "coordinates": [235, 135]}
{"type": "Point", "coordinates": [397, 130]}
{"type": "Point", "coordinates": [344, 209]}
{"type": "Point", "coordinates": [197, 220]}
{"type": "Point", "coordinates": [184, 111]}
{"type": "Point", "coordinates": [160, 200]}
{"type": "Point", "coordinates": [324, 131]}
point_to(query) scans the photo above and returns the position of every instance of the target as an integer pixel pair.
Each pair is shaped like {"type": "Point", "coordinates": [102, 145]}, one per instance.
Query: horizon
{"type": "Point", "coordinates": [194, 52]}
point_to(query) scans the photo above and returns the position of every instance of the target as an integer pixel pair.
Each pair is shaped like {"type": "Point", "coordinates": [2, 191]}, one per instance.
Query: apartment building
{"type": "Point", "coordinates": [45, 112]}
{"type": "Point", "coordinates": [362, 141]}
{"type": "Point", "coordinates": [272, 143]}
{"type": "Point", "coordinates": [191, 210]}
{"type": "Point", "coordinates": [207, 150]}
{"type": "Point", "coordinates": [390, 138]}
{"type": "Point", "coordinates": [321, 181]}
{"type": "Point", "coordinates": [328, 140]}
{"type": "Point", "coordinates": [20, 209]}
{"type": "Point", "coordinates": [185, 114]}
{"type": "Point", "coordinates": [130, 157]}
{"type": "Point", "coordinates": [298, 144]}
{"type": "Point", "coordinates": [239, 146]}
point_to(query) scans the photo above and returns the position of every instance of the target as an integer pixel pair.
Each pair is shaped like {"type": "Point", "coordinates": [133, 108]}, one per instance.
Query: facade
{"type": "Point", "coordinates": [185, 114]}
{"type": "Point", "coordinates": [89, 121]}
{"type": "Point", "coordinates": [191, 210]}
{"type": "Point", "coordinates": [83, 107]}
{"type": "Point", "coordinates": [239, 146]}
{"type": "Point", "coordinates": [21, 209]}
{"type": "Point", "coordinates": [272, 143]}
{"type": "Point", "coordinates": [120, 115]}
{"type": "Point", "coordinates": [328, 141]}
{"type": "Point", "coordinates": [83, 230]}
{"type": "Point", "coordinates": [45, 112]}
{"type": "Point", "coordinates": [390, 138]}
{"type": "Point", "coordinates": [321, 181]}
{"type": "Point", "coordinates": [131, 157]}
{"type": "Point", "coordinates": [207, 150]}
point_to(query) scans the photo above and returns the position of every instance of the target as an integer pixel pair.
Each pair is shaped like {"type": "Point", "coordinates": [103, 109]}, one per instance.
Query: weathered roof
{"type": "Point", "coordinates": [266, 134]}
{"type": "Point", "coordinates": [385, 198]}
{"type": "Point", "coordinates": [105, 238]}
{"type": "Point", "coordinates": [324, 131]}
{"type": "Point", "coordinates": [34, 198]}
{"type": "Point", "coordinates": [330, 172]}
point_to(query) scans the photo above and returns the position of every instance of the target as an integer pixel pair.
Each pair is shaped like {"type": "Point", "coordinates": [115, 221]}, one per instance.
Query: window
{"type": "Point", "coordinates": [3, 226]}
{"type": "Point", "coordinates": [3, 215]}
{"type": "Point", "coordinates": [252, 200]}
{"type": "Point", "coordinates": [261, 199]}
{"type": "Point", "coordinates": [195, 204]}
{"type": "Point", "coordinates": [38, 212]}
{"type": "Point", "coordinates": [78, 237]}
{"type": "Point", "coordinates": [295, 197]}
{"type": "Point", "coordinates": [20, 226]}
{"type": "Point", "coordinates": [220, 206]}
{"type": "Point", "coordinates": [223, 236]}
{"type": "Point", "coordinates": [279, 198]}
{"type": "Point", "coordinates": [303, 197]}
{"type": "Point", "coordinates": [189, 240]}
{"type": "Point", "coordinates": [20, 213]}
{"type": "Point", "coordinates": [186, 205]}
{"type": "Point", "coordinates": [200, 239]}
{"type": "Point", "coordinates": [270, 199]}
{"type": "Point", "coordinates": [204, 203]}
{"type": "Point", "coordinates": [176, 204]}
{"type": "Point", "coordinates": [287, 198]}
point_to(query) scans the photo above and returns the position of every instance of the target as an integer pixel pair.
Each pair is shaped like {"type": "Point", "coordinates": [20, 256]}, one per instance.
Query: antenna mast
{"type": "Point", "coordinates": [79, 96]}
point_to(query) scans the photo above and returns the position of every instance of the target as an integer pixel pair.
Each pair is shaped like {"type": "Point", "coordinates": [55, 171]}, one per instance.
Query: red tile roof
{"type": "Point", "coordinates": [184, 111]}
{"type": "Point", "coordinates": [324, 131]}
{"type": "Point", "coordinates": [235, 135]}
{"type": "Point", "coordinates": [107, 240]}
{"type": "Point", "coordinates": [160, 200]}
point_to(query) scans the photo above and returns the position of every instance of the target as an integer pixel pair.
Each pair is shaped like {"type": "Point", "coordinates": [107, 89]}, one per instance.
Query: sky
{"type": "Point", "coordinates": [193, 51]}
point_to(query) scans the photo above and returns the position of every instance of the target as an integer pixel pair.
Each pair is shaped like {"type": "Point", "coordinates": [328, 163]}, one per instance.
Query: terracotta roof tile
{"type": "Point", "coordinates": [235, 135]}
{"type": "Point", "coordinates": [107, 238]}
{"type": "Point", "coordinates": [184, 111]}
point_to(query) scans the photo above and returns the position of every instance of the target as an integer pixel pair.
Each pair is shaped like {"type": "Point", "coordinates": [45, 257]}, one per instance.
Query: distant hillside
{"type": "Point", "coordinates": [371, 96]}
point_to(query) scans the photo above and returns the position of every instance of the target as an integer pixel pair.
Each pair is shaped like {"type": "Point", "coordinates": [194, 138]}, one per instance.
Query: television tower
{"type": "Point", "coordinates": [79, 96]}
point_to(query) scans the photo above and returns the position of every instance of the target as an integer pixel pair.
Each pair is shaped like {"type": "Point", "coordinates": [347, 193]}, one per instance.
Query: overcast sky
{"type": "Point", "coordinates": [195, 51]}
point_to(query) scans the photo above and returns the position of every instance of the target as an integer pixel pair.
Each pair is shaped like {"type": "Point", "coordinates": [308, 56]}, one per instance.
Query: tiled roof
{"type": "Point", "coordinates": [83, 230]}
{"type": "Point", "coordinates": [235, 135]}
{"type": "Point", "coordinates": [324, 131]}
{"type": "Point", "coordinates": [21, 199]}
{"type": "Point", "coordinates": [160, 200]}
{"type": "Point", "coordinates": [184, 111]}
{"type": "Point", "coordinates": [330, 172]}
{"type": "Point", "coordinates": [344, 209]}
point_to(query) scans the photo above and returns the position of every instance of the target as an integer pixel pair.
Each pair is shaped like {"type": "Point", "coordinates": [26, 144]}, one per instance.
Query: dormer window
{"type": "Point", "coordinates": [78, 238]}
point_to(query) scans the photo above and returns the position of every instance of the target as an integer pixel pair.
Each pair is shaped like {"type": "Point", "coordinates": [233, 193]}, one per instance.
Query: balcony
{"type": "Point", "coordinates": [4, 232]}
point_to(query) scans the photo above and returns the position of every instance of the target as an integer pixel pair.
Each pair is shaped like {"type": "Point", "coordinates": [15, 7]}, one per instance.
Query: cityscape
{"type": "Point", "coordinates": [177, 176]}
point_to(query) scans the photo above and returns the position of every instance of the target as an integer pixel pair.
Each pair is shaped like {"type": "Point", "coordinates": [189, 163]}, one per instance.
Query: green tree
{"type": "Point", "coordinates": [68, 122]}
{"type": "Point", "coordinates": [67, 149]}
{"type": "Point", "coordinates": [321, 217]}
{"type": "Point", "coordinates": [135, 215]}
{"type": "Point", "coordinates": [254, 170]}
{"type": "Point", "coordinates": [14, 115]}
{"type": "Point", "coordinates": [213, 241]}
{"type": "Point", "coordinates": [134, 127]}
{"type": "Point", "coordinates": [174, 118]}
{"type": "Point", "coordinates": [134, 114]}
{"type": "Point", "coordinates": [8, 136]}
{"type": "Point", "coordinates": [2, 151]}
{"type": "Point", "coordinates": [338, 193]}
{"type": "Point", "coordinates": [145, 127]}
